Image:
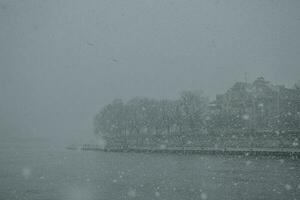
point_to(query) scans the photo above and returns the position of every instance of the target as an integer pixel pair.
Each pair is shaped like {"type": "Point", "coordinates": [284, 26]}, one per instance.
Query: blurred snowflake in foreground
{"type": "Point", "coordinates": [288, 187]}
{"type": "Point", "coordinates": [203, 196]}
{"type": "Point", "coordinates": [246, 117]}
{"type": "Point", "coordinates": [131, 193]}
{"type": "Point", "coordinates": [157, 194]}
{"type": "Point", "coordinates": [26, 172]}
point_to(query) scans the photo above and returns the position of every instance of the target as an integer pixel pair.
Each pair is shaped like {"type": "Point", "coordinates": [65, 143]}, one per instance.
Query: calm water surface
{"type": "Point", "coordinates": [35, 169]}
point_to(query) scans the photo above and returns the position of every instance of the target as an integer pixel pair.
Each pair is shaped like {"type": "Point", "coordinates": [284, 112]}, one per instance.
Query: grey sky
{"type": "Point", "coordinates": [60, 61]}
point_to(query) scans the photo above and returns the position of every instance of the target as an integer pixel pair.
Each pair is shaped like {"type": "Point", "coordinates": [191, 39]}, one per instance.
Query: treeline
{"type": "Point", "coordinates": [187, 121]}
{"type": "Point", "coordinates": [186, 115]}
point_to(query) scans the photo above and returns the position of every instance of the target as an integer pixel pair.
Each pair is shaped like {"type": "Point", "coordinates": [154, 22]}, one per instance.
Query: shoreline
{"type": "Point", "coordinates": [285, 152]}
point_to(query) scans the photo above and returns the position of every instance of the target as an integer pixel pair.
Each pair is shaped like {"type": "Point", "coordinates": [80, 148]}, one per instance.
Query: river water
{"type": "Point", "coordinates": [35, 169]}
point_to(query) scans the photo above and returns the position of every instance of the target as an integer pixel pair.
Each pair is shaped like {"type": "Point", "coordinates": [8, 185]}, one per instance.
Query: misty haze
{"type": "Point", "coordinates": [171, 99]}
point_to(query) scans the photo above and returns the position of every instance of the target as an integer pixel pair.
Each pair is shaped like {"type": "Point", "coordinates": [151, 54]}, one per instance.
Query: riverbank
{"type": "Point", "coordinates": [292, 153]}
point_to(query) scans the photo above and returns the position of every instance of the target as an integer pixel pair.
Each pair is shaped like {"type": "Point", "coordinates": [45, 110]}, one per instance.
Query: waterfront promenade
{"type": "Point", "coordinates": [284, 152]}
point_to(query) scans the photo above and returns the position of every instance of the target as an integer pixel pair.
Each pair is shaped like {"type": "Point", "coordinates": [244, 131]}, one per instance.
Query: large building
{"type": "Point", "coordinates": [259, 106]}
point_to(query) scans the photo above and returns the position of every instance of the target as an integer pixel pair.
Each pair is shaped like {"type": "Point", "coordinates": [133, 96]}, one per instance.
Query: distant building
{"type": "Point", "coordinates": [260, 106]}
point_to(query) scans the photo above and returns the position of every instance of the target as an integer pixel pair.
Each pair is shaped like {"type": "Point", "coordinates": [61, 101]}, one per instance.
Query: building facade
{"type": "Point", "coordinates": [259, 105]}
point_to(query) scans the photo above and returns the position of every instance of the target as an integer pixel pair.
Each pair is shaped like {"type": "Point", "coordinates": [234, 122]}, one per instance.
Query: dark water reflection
{"type": "Point", "coordinates": [35, 169]}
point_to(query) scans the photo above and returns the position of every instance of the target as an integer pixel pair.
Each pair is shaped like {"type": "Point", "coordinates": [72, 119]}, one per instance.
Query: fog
{"type": "Point", "coordinates": [61, 61]}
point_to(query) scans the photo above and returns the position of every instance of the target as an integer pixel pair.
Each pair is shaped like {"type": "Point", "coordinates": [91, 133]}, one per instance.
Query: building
{"type": "Point", "coordinates": [259, 106]}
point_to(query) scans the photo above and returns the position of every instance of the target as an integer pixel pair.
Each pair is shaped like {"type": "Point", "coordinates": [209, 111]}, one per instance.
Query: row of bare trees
{"type": "Point", "coordinates": [186, 115]}
{"type": "Point", "coordinates": [187, 120]}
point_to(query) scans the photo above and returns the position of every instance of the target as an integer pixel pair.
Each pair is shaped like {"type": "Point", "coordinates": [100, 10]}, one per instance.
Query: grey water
{"type": "Point", "coordinates": [33, 168]}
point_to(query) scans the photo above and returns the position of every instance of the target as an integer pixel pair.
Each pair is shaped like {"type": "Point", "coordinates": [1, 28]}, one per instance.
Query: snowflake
{"type": "Point", "coordinates": [203, 196]}
{"type": "Point", "coordinates": [288, 187]}
{"type": "Point", "coordinates": [295, 144]}
{"type": "Point", "coordinates": [248, 162]}
{"type": "Point", "coordinates": [261, 105]}
{"type": "Point", "coordinates": [157, 194]}
{"type": "Point", "coordinates": [246, 117]}
{"type": "Point", "coordinates": [26, 172]}
{"type": "Point", "coordinates": [281, 161]}
{"type": "Point", "coordinates": [131, 193]}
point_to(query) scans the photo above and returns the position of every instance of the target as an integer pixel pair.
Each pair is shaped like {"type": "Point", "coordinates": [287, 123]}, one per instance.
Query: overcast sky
{"type": "Point", "coordinates": [62, 60]}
